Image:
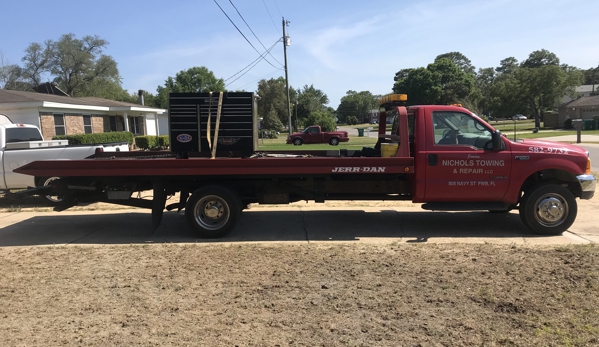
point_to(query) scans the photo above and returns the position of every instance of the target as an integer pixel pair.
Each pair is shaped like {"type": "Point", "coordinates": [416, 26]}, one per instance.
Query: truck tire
{"type": "Point", "coordinates": [53, 200]}
{"type": "Point", "coordinates": [297, 142]}
{"type": "Point", "coordinates": [548, 209]}
{"type": "Point", "coordinates": [212, 211]}
{"type": "Point", "coordinates": [334, 141]}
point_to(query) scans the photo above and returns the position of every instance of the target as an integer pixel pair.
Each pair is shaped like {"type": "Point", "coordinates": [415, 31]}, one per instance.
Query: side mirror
{"type": "Point", "coordinates": [497, 141]}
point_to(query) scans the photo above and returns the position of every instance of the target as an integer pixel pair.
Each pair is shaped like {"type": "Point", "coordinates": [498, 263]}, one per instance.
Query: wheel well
{"type": "Point", "coordinates": [565, 178]}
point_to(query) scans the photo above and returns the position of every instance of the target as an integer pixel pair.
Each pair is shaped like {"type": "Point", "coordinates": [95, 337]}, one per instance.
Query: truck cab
{"type": "Point", "coordinates": [463, 163]}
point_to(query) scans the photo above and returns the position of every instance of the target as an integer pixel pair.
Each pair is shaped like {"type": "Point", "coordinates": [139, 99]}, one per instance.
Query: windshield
{"type": "Point", "coordinates": [22, 134]}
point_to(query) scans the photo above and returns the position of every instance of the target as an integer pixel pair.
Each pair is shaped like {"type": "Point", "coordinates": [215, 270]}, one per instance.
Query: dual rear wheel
{"type": "Point", "coordinates": [212, 211]}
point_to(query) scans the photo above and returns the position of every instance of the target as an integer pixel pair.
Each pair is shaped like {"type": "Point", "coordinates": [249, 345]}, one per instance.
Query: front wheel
{"type": "Point", "coordinates": [297, 142]}
{"type": "Point", "coordinates": [334, 141]}
{"type": "Point", "coordinates": [212, 211]}
{"type": "Point", "coordinates": [548, 209]}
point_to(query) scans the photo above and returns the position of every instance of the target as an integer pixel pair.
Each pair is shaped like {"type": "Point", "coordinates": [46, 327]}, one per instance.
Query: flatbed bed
{"type": "Point", "coordinates": [298, 164]}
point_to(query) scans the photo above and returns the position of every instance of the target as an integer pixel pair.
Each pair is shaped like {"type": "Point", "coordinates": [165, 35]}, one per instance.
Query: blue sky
{"type": "Point", "coordinates": [336, 45]}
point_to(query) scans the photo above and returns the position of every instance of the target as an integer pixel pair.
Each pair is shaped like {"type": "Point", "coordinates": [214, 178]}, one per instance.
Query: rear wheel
{"type": "Point", "coordinates": [334, 141]}
{"type": "Point", "coordinates": [548, 209]}
{"type": "Point", "coordinates": [52, 199]}
{"type": "Point", "coordinates": [297, 142]}
{"type": "Point", "coordinates": [212, 211]}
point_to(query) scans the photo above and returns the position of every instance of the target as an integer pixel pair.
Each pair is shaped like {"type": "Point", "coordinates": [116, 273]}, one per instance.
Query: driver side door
{"type": "Point", "coordinates": [460, 162]}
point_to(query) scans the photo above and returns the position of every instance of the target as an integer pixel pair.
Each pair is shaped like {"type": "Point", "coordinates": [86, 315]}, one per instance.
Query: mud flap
{"type": "Point", "coordinates": [158, 203]}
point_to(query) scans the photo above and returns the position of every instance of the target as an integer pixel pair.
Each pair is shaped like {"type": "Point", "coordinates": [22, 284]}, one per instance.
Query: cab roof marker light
{"type": "Point", "coordinates": [390, 98]}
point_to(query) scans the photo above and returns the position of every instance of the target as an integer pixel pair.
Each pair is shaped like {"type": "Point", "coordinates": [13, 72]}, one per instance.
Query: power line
{"type": "Point", "coordinates": [277, 5]}
{"type": "Point", "coordinates": [273, 22]}
{"type": "Point", "coordinates": [261, 78]}
{"type": "Point", "coordinates": [246, 23]}
{"type": "Point", "coordinates": [252, 63]}
{"type": "Point", "coordinates": [248, 41]}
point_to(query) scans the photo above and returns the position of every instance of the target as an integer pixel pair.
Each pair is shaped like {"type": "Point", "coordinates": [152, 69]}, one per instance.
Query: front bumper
{"type": "Point", "coordinates": [588, 184]}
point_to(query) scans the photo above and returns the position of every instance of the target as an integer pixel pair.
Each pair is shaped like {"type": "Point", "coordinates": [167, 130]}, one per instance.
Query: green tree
{"type": "Point", "coordinates": [483, 84]}
{"type": "Point", "coordinates": [507, 66]}
{"type": "Point", "coordinates": [193, 80]}
{"type": "Point", "coordinates": [322, 118]}
{"type": "Point", "coordinates": [10, 75]}
{"type": "Point", "coordinates": [543, 87]}
{"type": "Point", "coordinates": [357, 104]}
{"type": "Point", "coordinates": [273, 94]}
{"type": "Point", "coordinates": [540, 58]}
{"type": "Point", "coordinates": [107, 89]}
{"type": "Point", "coordinates": [420, 86]}
{"type": "Point", "coordinates": [506, 98]}
{"type": "Point", "coordinates": [441, 82]}
{"type": "Point", "coordinates": [271, 121]}
{"type": "Point", "coordinates": [309, 100]}
{"type": "Point", "coordinates": [38, 60]}
{"type": "Point", "coordinates": [460, 60]}
{"type": "Point", "coordinates": [75, 63]}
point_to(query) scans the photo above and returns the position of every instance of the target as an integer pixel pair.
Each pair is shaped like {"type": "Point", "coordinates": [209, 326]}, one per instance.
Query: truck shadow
{"type": "Point", "coordinates": [262, 226]}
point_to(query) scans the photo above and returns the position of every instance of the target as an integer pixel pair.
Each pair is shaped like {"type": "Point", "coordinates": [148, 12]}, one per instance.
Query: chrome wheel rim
{"type": "Point", "coordinates": [211, 212]}
{"type": "Point", "coordinates": [551, 210]}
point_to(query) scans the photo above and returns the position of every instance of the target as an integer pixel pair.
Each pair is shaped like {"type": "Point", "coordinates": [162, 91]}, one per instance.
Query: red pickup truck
{"type": "Point", "coordinates": [314, 134]}
{"type": "Point", "coordinates": [447, 158]}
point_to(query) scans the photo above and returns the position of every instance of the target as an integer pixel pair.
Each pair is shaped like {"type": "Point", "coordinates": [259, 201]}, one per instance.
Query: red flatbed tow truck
{"type": "Point", "coordinates": [447, 158]}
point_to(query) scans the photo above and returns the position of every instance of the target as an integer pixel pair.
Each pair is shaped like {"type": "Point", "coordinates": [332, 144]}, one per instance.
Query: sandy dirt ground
{"type": "Point", "coordinates": [288, 294]}
{"type": "Point", "coordinates": [299, 295]}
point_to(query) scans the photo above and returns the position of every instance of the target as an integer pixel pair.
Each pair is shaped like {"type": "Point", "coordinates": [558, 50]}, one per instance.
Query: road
{"type": "Point", "coordinates": [369, 222]}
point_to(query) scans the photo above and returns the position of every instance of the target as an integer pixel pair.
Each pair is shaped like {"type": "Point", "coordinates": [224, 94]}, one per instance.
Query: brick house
{"type": "Point", "coordinates": [585, 107]}
{"type": "Point", "coordinates": [63, 115]}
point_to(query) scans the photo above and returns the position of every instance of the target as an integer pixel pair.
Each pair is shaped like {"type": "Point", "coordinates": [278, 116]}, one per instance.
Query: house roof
{"type": "Point", "coordinates": [586, 88]}
{"type": "Point", "coordinates": [584, 101]}
{"type": "Point", "coordinates": [17, 97]}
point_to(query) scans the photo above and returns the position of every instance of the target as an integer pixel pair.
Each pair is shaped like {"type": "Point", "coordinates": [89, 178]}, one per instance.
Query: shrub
{"type": "Point", "coordinates": [268, 134]}
{"type": "Point", "coordinates": [152, 142]}
{"type": "Point", "coordinates": [271, 121]}
{"type": "Point", "coordinates": [326, 121]}
{"type": "Point", "coordinates": [90, 139]}
{"type": "Point", "coordinates": [351, 120]}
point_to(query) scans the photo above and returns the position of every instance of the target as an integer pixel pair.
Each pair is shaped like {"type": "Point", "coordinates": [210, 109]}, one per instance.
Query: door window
{"type": "Point", "coordinates": [456, 128]}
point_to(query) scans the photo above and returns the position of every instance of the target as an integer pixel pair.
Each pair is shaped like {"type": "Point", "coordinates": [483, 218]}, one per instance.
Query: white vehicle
{"type": "Point", "coordinates": [21, 144]}
{"type": "Point", "coordinates": [519, 117]}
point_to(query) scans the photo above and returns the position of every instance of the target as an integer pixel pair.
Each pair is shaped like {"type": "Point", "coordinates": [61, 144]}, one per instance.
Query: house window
{"type": "Point", "coordinates": [135, 125]}
{"type": "Point", "coordinates": [87, 123]}
{"type": "Point", "coordinates": [59, 128]}
{"type": "Point", "coordinates": [114, 123]}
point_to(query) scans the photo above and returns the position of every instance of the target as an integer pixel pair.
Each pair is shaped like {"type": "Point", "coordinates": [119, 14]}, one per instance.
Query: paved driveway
{"type": "Point", "coordinates": [306, 223]}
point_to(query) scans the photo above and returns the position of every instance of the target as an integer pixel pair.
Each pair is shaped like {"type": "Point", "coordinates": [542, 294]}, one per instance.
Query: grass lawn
{"type": "Point", "coordinates": [524, 129]}
{"type": "Point", "coordinates": [354, 143]}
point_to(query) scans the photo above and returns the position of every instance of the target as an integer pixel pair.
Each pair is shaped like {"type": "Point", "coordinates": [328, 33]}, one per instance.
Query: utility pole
{"type": "Point", "coordinates": [287, 42]}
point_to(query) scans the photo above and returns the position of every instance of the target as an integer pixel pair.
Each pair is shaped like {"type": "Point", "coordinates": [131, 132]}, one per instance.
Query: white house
{"type": "Point", "coordinates": [64, 115]}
